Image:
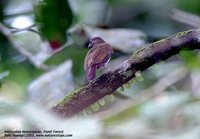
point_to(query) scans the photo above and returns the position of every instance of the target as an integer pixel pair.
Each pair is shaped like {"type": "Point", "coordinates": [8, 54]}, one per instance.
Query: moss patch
{"type": "Point", "coordinates": [69, 97]}
{"type": "Point", "coordinates": [183, 33]}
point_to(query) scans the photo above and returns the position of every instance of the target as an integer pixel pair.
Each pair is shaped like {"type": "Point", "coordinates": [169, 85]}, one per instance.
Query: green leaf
{"type": "Point", "coordinates": [54, 18]}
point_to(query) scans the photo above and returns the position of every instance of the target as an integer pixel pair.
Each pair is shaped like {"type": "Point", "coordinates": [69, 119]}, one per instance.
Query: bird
{"type": "Point", "coordinates": [97, 57]}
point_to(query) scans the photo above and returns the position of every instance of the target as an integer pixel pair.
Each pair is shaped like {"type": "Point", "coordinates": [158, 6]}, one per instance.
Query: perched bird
{"type": "Point", "coordinates": [97, 57]}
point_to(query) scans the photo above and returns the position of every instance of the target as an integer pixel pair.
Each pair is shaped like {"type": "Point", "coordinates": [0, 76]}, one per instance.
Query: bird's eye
{"type": "Point", "coordinates": [90, 41]}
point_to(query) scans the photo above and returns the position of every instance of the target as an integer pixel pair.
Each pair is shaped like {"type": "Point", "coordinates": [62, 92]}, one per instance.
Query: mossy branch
{"type": "Point", "coordinates": [139, 61]}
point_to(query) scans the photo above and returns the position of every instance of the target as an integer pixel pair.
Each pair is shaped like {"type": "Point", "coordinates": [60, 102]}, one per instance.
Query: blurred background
{"type": "Point", "coordinates": [43, 44]}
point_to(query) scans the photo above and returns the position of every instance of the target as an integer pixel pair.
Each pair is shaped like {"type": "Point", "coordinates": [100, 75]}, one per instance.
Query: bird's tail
{"type": "Point", "coordinates": [90, 74]}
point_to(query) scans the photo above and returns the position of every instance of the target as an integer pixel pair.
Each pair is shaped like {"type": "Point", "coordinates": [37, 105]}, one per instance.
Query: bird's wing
{"type": "Point", "coordinates": [89, 59]}
{"type": "Point", "coordinates": [100, 55]}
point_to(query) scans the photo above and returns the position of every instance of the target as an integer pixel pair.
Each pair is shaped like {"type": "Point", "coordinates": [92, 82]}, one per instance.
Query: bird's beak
{"type": "Point", "coordinates": [90, 45]}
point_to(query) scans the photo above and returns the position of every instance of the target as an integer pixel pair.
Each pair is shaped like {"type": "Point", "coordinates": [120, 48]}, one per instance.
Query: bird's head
{"type": "Point", "coordinates": [95, 41]}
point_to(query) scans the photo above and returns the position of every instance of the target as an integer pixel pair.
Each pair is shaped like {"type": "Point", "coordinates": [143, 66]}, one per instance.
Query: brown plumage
{"type": "Point", "coordinates": [98, 56]}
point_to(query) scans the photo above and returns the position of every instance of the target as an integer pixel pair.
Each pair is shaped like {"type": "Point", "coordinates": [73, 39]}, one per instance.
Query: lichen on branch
{"type": "Point", "coordinates": [141, 60]}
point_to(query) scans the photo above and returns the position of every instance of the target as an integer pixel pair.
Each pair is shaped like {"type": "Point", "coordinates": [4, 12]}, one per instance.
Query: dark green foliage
{"type": "Point", "coordinates": [191, 58]}
{"type": "Point", "coordinates": [54, 18]}
{"type": "Point", "coordinates": [1, 11]}
{"type": "Point", "coordinates": [2, 38]}
{"type": "Point", "coordinates": [189, 6]}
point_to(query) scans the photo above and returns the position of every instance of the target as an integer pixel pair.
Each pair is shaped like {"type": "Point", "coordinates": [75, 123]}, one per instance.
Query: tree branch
{"type": "Point", "coordinates": [139, 61]}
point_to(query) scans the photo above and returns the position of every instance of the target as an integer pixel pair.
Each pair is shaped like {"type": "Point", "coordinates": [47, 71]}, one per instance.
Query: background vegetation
{"type": "Point", "coordinates": [42, 49]}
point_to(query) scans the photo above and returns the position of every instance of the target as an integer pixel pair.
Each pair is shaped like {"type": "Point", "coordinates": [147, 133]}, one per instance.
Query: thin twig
{"type": "Point", "coordinates": [29, 28]}
{"type": "Point", "coordinates": [8, 33]}
{"type": "Point", "coordinates": [69, 43]}
{"type": "Point", "coordinates": [28, 12]}
{"type": "Point", "coordinates": [185, 18]}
